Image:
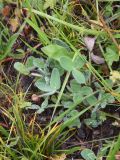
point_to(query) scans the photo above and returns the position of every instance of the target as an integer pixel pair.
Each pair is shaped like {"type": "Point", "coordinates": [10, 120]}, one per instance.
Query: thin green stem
{"type": "Point", "coordinates": [81, 30]}
{"type": "Point", "coordinates": [60, 94]}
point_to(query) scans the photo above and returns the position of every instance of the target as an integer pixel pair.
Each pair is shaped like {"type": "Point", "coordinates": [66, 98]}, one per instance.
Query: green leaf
{"type": "Point", "coordinates": [37, 4]}
{"type": "Point", "coordinates": [67, 103]}
{"type": "Point", "coordinates": [55, 64]}
{"type": "Point", "coordinates": [110, 98]}
{"type": "Point", "coordinates": [49, 3]}
{"type": "Point", "coordinates": [72, 150]}
{"type": "Point", "coordinates": [66, 63]}
{"type": "Point", "coordinates": [33, 106]}
{"type": "Point", "coordinates": [37, 62]}
{"type": "Point", "coordinates": [25, 104]}
{"type": "Point", "coordinates": [29, 63]}
{"type": "Point", "coordinates": [79, 62]}
{"type": "Point", "coordinates": [1, 5]}
{"type": "Point", "coordinates": [85, 90]}
{"type": "Point", "coordinates": [117, 36]}
{"type": "Point", "coordinates": [91, 122]}
{"type": "Point", "coordinates": [24, 158]}
{"type": "Point", "coordinates": [111, 55]}
{"type": "Point", "coordinates": [94, 121]}
{"type": "Point", "coordinates": [114, 149]}
{"type": "Point", "coordinates": [61, 43]}
{"type": "Point", "coordinates": [106, 98]}
{"type": "Point", "coordinates": [76, 122]}
{"type": "Point", "coordinates": [43, 86]}
{"type": "Point", "coordinates": [21, 68]}
{"type": "Point", "coordinates": [55, 79]}
{"type": "Point", "coordinates": [44, 103]}
{"type": "Point", "coordinates": [75, 87]}
{"type": "Point", "coordinates": [77, 97]}
{"type": "Point", "coordinates": [55, 51]}
{"type": "Point", "coordinates": [42, 36]}
{"type": "Point", "coordinates": [9, 45]}
{"type": "Point", "coordinates": [79, 76]}
{"type": "Point", "coordinates": [91, 100]}
{"type": "Point", "coordinates": [40, 110]}
{"type": "Point", "coordinates": [43, 106]}
{"type": "Point", "coordinates": [4, 131]}
{"type": "Point", "coordinates": [88, 154]}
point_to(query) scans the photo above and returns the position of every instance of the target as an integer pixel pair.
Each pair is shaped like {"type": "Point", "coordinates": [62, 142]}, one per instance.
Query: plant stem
{"type": "Point", "coordinates": [60, 94]}
{"type": "Point", "coordinates": [81, 30]}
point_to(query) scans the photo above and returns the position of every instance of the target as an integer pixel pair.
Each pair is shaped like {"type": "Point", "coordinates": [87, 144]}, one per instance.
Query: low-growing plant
{"type": "Point", "coordinates": [49, 82]}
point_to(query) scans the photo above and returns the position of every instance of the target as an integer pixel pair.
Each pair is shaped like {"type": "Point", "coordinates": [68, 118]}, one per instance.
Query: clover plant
{"type": "Point", "coordinates": [48, 76]}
